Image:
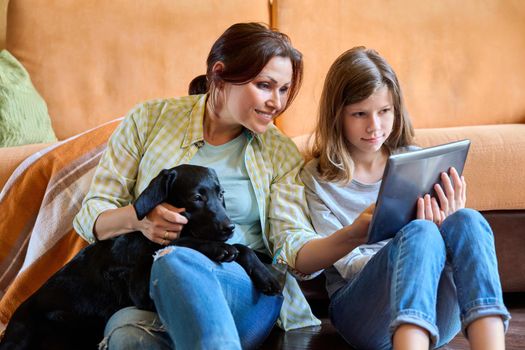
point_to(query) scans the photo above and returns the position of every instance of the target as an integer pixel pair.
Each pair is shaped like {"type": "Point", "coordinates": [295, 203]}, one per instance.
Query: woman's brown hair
{"type": "Point", "coordinates": [352, 78]}
{"type": "Point", "coordinates": [245, 49]}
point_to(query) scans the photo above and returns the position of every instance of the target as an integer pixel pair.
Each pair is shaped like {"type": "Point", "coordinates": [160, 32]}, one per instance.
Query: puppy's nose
{"type": "Point", "coordinates": [228, 229]}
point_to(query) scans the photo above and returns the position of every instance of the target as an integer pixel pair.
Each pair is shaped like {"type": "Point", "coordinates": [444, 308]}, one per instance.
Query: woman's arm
{"type": "Point", "coordinates": [161, 225]}
{"type": "Point", "coordinates": [106, 210]}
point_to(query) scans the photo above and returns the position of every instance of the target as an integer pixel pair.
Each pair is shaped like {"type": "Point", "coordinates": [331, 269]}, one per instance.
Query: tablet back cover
{"type": "Point", "coordinates": [407, 177]}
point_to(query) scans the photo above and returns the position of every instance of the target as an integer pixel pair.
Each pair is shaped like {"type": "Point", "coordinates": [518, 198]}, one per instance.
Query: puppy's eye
{"type": "Point", "coordinates": [198, 198]}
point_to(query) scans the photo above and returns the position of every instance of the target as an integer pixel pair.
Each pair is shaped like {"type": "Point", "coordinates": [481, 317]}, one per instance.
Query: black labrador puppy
{"type": "Point", "coordinates": [71, 309]}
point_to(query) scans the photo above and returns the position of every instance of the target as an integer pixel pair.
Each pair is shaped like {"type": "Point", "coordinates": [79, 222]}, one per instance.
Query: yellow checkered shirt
{"type": "Point", "coordinates": [161, 134]}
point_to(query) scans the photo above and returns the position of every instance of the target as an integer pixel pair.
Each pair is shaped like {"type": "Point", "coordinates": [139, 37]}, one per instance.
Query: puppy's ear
{"type": "Point", "coordinates": [156, 192]}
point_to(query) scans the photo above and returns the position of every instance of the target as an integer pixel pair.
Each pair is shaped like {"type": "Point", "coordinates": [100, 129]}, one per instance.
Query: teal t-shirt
{"type": "Point", "coordinates": [241, 204]}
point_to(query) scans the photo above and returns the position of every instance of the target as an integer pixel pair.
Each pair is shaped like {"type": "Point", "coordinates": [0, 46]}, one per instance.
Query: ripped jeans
{"type": "Point", "coordinates": [439, 279]}
{"type": "Point", "coordinates": [201, 305]}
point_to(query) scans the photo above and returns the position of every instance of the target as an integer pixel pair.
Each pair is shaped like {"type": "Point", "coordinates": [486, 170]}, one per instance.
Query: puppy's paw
{"type": "Point", "coordinates": [224, 252]}
{"type": "Point", "coordinates": [265, 282]}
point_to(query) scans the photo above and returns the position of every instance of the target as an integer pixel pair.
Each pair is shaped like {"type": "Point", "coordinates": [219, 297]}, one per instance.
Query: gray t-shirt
{"type": "Point", "coordinates": [334, 206]}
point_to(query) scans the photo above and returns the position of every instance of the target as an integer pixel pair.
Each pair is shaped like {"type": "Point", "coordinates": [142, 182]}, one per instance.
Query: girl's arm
{"type": "Point", "coordinates": [338, 240]}
{"type": "Point", "coordinates": [321, 253]}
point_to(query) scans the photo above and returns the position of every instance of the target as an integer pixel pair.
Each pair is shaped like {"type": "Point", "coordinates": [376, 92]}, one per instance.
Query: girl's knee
{"type": "Point", "coordinates": [421, 241]}
{"type": "Point", "coordinates": [419, 226]}
{"type": "Point", "coordinates": [467, 215]}
{"type": "Point", "coordinates": [467, 224]}
{"type": "Point", "coordinates": [421, 233]}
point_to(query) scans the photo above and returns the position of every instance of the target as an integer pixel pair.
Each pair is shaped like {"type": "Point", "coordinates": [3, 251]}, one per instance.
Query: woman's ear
{"type": "Point", "coordinates": [217, 69]}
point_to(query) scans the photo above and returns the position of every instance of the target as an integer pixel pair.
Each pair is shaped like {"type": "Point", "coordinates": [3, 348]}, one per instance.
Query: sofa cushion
{"type": "Point", "coordinates": [496, 153]}
{"type": "Point", "coordinates": [23, 113]}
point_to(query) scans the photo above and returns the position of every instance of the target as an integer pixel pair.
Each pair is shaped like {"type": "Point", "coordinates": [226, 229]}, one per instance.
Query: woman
{"type": "Point", "coordinates": [253, 74]}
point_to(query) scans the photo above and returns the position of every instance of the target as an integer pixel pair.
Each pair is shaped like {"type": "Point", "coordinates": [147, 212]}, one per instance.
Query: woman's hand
{"type": "Point", "coordinates": [452, 198]}
{"type": "Point", "coordinates": [163, 224]}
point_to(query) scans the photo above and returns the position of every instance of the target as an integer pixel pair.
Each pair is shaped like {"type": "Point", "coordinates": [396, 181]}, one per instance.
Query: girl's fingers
{"type": "Point", "coordinates": [428, 208]}
{"type": "Point", "coordinates": [447, 185]}
{"type": "Point", "coordinates": [458, 184]}
{"type": "Point", "coordinates": [464, 191]}
{"type": "Point", "coordinates": [420, 209]}
{"type": "Point", "coordinates": [443, 200]}
{"type": "Point", "coordinates": [436, 212]}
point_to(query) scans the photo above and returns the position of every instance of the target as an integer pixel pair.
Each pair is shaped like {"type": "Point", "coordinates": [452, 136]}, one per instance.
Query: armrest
{"type": "Point", "coordinates": [11, 157]}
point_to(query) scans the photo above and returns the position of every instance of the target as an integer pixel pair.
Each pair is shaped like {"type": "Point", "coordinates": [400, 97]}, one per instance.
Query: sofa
{"type": "Point", "coordinates": [460, 65]}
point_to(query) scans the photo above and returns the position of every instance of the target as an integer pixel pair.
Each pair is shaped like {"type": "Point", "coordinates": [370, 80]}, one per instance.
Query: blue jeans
{"type": "Point", "coordinates": [201, 305]}
{"type": "Point", "coordinates": [441, 279]}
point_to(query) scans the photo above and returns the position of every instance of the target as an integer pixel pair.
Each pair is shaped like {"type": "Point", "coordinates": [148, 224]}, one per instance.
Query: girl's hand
{"type": "Point", "coordinates": [451, 199]}
{"type": "Point", "coordinates": [428, 209]}
{"type": "Point", "coordinates": [455, 194]}
{"type": "Point", "coordinates": [163, 224]}
{"type": "Point", "coordinates": [361, 223]}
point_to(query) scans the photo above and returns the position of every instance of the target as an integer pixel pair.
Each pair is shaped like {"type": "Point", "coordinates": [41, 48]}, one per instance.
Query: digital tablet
{"type": "Point", "coordinates": [407, 177]}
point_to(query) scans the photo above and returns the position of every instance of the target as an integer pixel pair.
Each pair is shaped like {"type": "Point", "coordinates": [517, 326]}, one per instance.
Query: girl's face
{"type": "Point", "coordinates": [255, 104]}
{"type": "Point", "coordinates": [367, 124]}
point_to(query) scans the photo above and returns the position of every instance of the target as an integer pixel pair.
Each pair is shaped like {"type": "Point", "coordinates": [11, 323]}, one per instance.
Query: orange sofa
{"type": "Point", "coordinates": [460, 64]}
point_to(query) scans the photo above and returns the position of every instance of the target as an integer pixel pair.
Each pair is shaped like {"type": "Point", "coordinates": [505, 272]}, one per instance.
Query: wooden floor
{"type": "Point", "coordinates": [326, 337]}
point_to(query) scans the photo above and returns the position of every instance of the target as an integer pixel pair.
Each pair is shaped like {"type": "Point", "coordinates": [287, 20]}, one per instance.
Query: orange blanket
{"type": "Point", "coordinates": [37, 206]}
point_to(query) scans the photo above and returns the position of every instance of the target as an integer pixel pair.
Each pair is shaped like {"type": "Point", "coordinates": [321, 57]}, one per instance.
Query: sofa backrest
{"type": "Point", "coordinates": [459, 62]}
{"type": "Point", "coordinates": [92, 61]}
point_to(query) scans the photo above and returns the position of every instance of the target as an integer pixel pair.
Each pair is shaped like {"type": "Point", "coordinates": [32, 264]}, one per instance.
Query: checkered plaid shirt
{"type": "Point", "coordinates": [164, 133]}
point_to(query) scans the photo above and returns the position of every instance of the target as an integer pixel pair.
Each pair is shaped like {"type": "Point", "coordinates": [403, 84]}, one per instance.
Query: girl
{"type": "Point", "coordinates": [253, 74]}
{"type": "Point", "coordinates": [439, 273]}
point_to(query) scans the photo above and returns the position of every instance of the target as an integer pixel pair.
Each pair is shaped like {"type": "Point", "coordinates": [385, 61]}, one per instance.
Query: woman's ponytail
{"type": "Point", "coordinates": [198, 86]}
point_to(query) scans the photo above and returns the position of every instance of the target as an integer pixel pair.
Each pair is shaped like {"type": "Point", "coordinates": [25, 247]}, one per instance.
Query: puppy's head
{"type": "Point", "coordinates": [197, 189]}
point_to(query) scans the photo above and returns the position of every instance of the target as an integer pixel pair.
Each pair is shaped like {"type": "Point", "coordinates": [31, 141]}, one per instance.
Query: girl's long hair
{"type": "Point", "coordinates": [352, 78]}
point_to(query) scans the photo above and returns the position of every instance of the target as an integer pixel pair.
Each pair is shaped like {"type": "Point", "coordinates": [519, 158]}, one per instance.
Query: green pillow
{"type": "Point", "coordinates": [23, 113]}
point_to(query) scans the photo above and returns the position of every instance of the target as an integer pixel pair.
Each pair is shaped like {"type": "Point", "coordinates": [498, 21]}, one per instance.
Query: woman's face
{"type": "Point", "coordinates": [255, 104]}
{"type": "Point", "coordinates": [367, 124]}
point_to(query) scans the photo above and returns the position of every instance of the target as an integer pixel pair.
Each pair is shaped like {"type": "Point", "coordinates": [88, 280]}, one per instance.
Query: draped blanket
{"type": "Point", "coordinates": [37, 207]}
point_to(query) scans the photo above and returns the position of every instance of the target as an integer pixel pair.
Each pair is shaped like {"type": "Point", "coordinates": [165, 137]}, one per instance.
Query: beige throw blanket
{"type": "Point", "coordinates": [37, 207]}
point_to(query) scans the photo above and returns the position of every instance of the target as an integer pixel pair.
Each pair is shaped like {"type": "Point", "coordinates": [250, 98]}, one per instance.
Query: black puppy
{"type": "Point", "coordinates": [71, 309]}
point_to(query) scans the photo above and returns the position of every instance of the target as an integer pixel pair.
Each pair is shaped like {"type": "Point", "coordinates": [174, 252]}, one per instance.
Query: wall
{"type": "Point", "coordinates": [459, 62]}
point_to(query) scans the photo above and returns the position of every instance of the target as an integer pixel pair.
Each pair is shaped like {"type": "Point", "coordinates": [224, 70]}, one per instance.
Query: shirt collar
{"type": "Point", "coordinates": [195, 131]}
